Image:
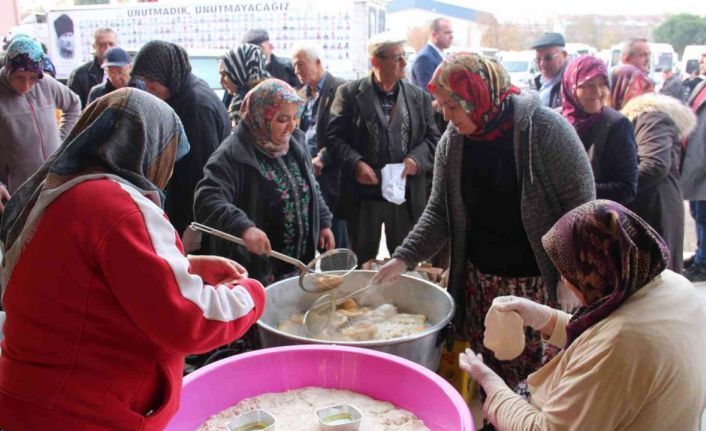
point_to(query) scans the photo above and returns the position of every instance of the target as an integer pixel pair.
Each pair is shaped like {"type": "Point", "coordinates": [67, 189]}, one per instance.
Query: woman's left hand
{"type": "Point", "coordinates": [326, 239]}
{"type": "Point", "coordinates": [481, 373]}
{"type": "Point", "coordinates": [216, 269]}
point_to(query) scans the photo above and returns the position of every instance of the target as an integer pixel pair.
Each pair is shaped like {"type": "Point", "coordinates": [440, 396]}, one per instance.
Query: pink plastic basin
{"type": "Point", "coordinates": [376, 374]}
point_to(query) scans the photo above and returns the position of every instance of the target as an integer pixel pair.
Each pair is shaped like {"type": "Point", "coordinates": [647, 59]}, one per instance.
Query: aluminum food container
{"type": "Point", "coordinates": [409, 295]}
{"type": "Point", "coordinates": [256, 420]}
{"type": "Point", "coordinates": [342, 417]}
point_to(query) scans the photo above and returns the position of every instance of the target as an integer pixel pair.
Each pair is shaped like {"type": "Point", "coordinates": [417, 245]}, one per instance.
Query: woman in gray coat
{"type": "Point", "coordinates": [505, 171]}
{"type": "Point", "coordinates": [661, 123]}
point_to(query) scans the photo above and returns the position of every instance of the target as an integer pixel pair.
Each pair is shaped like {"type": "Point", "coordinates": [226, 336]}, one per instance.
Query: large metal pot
{"type": "Point", "coordinates": [409, 294]}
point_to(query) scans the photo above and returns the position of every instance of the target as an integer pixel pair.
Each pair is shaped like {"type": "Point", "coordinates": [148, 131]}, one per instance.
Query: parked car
{"type": "Point", "coordinates": [521, 67]}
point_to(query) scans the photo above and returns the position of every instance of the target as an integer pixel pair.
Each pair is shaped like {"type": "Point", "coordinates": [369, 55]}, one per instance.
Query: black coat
{"type": "Point", "coordinates": [85, 77]}
{"type": "Point", "coordinates": [348, 139]}
{"type": "Point", "coordinates": [281, 68]}
{"type": "Point", "coordinates": [233, 196]}
{"type": "Point", "coordinates": [331, 172]}
{"type": "Point", "coordinates": [206, 125]}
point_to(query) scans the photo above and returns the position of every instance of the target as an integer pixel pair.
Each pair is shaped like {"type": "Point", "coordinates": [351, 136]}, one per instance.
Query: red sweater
{"type": "Point", "coordinates": [101, 310]}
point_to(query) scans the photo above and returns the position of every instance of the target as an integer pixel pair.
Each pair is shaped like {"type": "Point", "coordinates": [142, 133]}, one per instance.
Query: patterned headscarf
{"type": "Point", "coordinates": [24, 55]}
{"type": "Point", "coordinates": [482, 87]}
{"type": "Point", "coordinates": [164, 62]}
{"type": "Point", "coordinates": [578, 72]}
{"type": "Point", "coordinates": [243, 64]}
{"type": "Point", "coordinates": [259, 109]}
{"type": "Point", "coordinates": [628, 82]}
{"type": "Point", "coordinates": [608, 253]}
{"type": "Point", "coordinates": [129, 135]}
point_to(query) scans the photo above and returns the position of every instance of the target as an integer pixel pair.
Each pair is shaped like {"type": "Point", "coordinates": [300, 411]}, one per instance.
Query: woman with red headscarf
{"type": "Point", "coordinates": [633, 353]}
{"type": "Point", "coordinates": [661, 124]}
{"type": "Point", "coordinates": [609, 137]}
{"type": "Point", "coordinates": [504, 172]}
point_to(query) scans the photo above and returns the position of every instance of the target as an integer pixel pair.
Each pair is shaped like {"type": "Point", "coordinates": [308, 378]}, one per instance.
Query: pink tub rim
{"type": "Point", "coordinates": [454, 397]}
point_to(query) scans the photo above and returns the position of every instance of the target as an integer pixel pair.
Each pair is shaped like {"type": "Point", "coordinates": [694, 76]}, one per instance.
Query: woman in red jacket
{"type": "Point", "coordinates": [102, 305]}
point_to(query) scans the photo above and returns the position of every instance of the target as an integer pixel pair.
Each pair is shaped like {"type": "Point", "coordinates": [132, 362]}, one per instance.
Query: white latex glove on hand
{"type": "Point", "coordinates": [390, 272]}
{"type": "Point", "coordinates": [536, 316]}
{"type": "Point", "coordinates": [473, 364]}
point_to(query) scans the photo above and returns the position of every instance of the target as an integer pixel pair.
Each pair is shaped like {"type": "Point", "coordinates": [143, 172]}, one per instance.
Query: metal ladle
{"type": "Point", "coordinates": [314, 277]}
{"type": "Point", "coordinates": [319, 316]}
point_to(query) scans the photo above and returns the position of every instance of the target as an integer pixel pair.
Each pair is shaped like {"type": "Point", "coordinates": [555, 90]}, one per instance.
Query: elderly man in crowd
{"type": "Point", "coordinates": [376, 121]}
{"type": "Point", "coordinates": [90, 74]}
{"type": "Point", "coordinates": [118, 67]}
{"type": "Point", "coordinates": [278, 67]}
{"type": "Point", "coordinates": [636, 52]}
{"type": "Point", "coordinates": [318, 92]}
{"type": "Point", "coordinates": [428, 58]}
{"type": "Point", "coordinates": [551, 60]}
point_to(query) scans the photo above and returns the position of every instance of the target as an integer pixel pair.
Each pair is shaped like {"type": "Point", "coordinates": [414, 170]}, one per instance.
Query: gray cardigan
{"type": "Point", "coordinates": [554, 175]}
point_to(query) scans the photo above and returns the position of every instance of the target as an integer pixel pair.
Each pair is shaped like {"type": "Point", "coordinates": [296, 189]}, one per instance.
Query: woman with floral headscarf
{"type": "Point", "coordinates": [504, 172]}
{"type": "Point", "coordinates": [661, 124]}
{"type": "Point", "coordinates": [259, 185]}
{"type": "Point", "coordinates": [102, 305]}
{"type": "Point", "coordinates": [633, 353]}
{"type": "Point", "coordinates": [241, 69]}
{"type": "Point", "coordinates": [29, 99]}
{"type": "Point", "coordinates": [609, 137]}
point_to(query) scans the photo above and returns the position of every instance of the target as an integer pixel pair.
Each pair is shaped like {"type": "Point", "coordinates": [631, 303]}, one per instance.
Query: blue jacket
{"type": "Point", "coordinates": [424, 66]}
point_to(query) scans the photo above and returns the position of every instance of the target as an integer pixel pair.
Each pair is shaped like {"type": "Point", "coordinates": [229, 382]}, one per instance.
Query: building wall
{"type": "Point", "coordinates": [10, 15]}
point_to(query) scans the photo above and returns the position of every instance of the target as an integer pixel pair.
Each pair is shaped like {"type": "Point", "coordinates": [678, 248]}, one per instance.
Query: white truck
{"type": "Point", "coordinates": [340, 27]}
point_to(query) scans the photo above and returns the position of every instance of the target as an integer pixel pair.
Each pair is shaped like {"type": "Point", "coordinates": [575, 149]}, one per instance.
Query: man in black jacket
{"type": "Point", "coordinates": [318, 92]}
{"type": "Point", "coordinates": [375, 121]}
{"type": "Point", "coordinates": [90, 74]}
{"type": "Point", "coordinates": [278, 67]}
{"type": "Point", "coordinates": [165, 69]}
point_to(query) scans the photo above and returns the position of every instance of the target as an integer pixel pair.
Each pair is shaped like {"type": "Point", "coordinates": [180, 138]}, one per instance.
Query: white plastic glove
{"type": "Point", "coordinates": [535, 315]}
{"type": "Point", "coordinates": [473, 364]}
{"type": "Point", "coordinates": [390, 272]}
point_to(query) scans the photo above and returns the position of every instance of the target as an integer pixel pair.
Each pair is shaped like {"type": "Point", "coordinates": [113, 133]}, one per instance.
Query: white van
{"type": "Point", "coordinates": [521, 67]}
{"type": "Point", "coordinates": [574, 50]}
{"type": "Point", "coordinates": [690, 59]}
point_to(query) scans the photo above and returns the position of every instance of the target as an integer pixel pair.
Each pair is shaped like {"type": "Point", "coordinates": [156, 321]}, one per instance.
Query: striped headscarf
{"type": "Point", "coordinates": [259, 109]}
{"type": "Point", "coordinates": [482, 87]}
{"type": "Point", "coordinates": [628, 83]}
{"type": "Point", "coordinates": [244, 64]}
{"type": "Point", "coordinates": [128, 135]}
{"type": "Point", "coordinates": [578, 72]}
{"type": "Point", "coordinates": [164, 62]}
{"type": "Point", "coordinates": [608, 253]}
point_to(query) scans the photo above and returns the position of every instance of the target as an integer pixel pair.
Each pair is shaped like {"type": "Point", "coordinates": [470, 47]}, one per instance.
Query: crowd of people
{"type": "Point", "coordinates": [574, 189]}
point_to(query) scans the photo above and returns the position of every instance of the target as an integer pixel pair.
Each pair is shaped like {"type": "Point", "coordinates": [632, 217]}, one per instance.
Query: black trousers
{"type": "Point", "coordinates": [364, 227]}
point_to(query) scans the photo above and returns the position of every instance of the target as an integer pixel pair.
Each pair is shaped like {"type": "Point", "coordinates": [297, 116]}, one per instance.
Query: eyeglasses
{"type": "Point", "coordinates": [396, 58]}
{"type": "Point", "coordinates": [547, 58]}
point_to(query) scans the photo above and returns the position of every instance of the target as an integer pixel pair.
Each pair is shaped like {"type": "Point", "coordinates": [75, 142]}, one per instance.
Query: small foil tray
{"type": "Point", "coordinates": [341, 417]}
{"type": "Point", "coordinates": [256, 420]}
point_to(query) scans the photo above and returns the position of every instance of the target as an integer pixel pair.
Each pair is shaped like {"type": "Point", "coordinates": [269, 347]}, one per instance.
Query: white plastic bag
{"type": "Point", "coordinates": [393, 183]}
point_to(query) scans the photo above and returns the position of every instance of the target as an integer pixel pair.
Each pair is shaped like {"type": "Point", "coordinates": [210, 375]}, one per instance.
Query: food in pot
{"type": "Point", "coordinates": [352, 322]}
{"type": "Point", "coordinates": [295, 411]}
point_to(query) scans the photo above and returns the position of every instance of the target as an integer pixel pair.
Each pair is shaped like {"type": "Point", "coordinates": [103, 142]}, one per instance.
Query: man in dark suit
{"type": "Point", "coordinates": [375, 121]}
{"type": "Point", "coordinates": [428, 58]}
{"type": "Point", "coordinates": [278, 67]}
{"type": "Point", "coordinates": [318, 92]}
{"type": "Point", "coordinates": [90, 74]}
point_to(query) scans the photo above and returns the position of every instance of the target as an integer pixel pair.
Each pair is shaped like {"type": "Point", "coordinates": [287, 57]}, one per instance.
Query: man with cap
{"type": "Point", "coordinates": [90, 74]}
{"type": "Point", "coordinates": [118, 66]}
{"type": "Point", "coordinates": [28, 102]}
{"type": "Point", "coordinates": [64, 28]}
{"type": "Point", "coordinates": [376, 121]}
{"type": "Point", "coordinates": [280, 68]}
{"type": "Point", "coordinates": [551, 60]}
